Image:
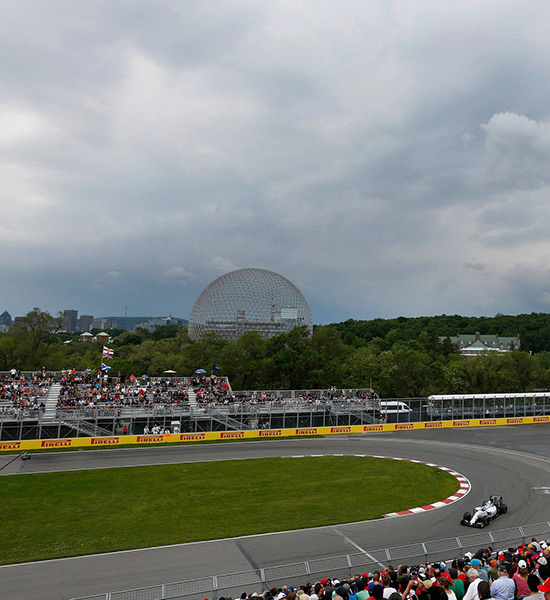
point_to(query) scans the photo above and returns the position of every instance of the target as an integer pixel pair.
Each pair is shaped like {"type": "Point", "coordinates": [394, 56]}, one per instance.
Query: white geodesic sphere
{"type": "Point", "coordinates": [249, 300]}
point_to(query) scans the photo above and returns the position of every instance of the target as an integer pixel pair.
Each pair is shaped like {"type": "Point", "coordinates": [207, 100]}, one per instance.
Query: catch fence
{"type": "Point", "coordinates": [233, 584]}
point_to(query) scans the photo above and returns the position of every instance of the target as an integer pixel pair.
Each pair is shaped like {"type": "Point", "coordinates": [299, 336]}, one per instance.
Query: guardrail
{"type": "Point", "coordinates": [348, 564]}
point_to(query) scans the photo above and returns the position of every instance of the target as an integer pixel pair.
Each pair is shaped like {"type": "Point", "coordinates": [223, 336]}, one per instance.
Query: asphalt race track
{"type": "Point", "coordinates": [513, 461]}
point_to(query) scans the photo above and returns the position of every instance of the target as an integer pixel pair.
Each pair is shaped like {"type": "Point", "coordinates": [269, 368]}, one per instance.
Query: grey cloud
{"type": "Point", "coordinates": [476, 266]}
{"type": "Point", "coordinates": [374, 153]}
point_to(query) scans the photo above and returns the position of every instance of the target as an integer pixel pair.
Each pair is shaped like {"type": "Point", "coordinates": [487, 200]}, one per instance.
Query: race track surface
{"type": "Point", "coordinates": [511, 461]}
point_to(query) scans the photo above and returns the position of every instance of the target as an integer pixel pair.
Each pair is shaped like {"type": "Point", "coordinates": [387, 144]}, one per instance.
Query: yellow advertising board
{"type": "Point", "coordinates": [137, 440]}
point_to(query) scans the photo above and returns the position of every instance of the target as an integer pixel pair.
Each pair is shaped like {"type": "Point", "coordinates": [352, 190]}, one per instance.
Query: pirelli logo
{"type": "Point", "coordinates": [404, 426]}
{"type": "Point", "coordinates": [273, 433]}
{"type": "Point", "coordinates": [487, 421]}
{"type": "Point", "coordinates": [461, 423]}
{"type": "Point", "coordinates": [541, 419]}
{"type": "Point", "coordinates": [307, 431]}
{"type": "Point", "coordinates": [141, 439]}
{"type": "Point", "coordinates": [340, 430]}
{"type": "Point", "coordinates": [56, 443]}
{"type": "Point", "coordinates": [433, 424]}
{"type": "Point", "coordinates": [10, 445]}
{"type": "Point", "coordinates": [231, 435]}
{"type": "Point", "coordinates": [104, 441]}
{"type": "Point", "coordinates": [514, 421]}
{"type": "Point", "coordinates": [373, 428]}
{"type": "Point", "coordinates": [188, 437]}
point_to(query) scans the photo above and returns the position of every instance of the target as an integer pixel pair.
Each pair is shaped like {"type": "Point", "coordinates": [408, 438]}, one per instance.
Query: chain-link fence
{"type": "Point", "coordinates": [233, 584]}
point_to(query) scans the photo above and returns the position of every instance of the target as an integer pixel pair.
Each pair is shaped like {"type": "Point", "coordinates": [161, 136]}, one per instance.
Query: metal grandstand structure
{"type": "Point", "coordinates": [249, 300]}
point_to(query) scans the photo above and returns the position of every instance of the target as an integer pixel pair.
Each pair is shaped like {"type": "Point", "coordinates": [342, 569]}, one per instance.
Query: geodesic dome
{"type": "Point", "coordinates": [249, 300]}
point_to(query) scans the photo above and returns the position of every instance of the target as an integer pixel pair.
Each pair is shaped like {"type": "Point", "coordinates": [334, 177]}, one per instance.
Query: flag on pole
{"type": "Point", "coordinates": [105, 367]}
{"type": "Point", "coordinates": [108, 352]}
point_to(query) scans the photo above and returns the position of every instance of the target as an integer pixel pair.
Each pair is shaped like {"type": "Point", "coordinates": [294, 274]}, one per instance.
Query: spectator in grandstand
{"type": "Point", "coordinates": [473, 578]}
{"type": "Point", "coordinates": [484, 591]}
{"type": "Point", "coordinates": [493, 570]}
{"type": "Point", "coordinates": [533, 582]}
{"type": "Point", "coordinates": [388, 587]}
{"type": "Point", "coordinates": [437, 593]}
{"type": "Point", "coordinates": [483, 573]}
{"type": "Point", "coordinates": [520, 579]}
{"type": "Point", "coordinates": [542, 568]}
{"type": "Point", "coordinates": [423, 587]}
{"type": "Point", "coordinates": [457, 583]}
{"type": "Point", "coordinates": [375, 581]}
{"type": "Point", "coordinates": [446, 585]}
{"type": "Point", "coordinates": [503, 588]}
{"type": "Point", "coordinates": [545, 589]}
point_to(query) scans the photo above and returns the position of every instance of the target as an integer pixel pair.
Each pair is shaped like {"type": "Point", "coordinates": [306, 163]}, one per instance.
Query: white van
{"type": "Point", "coordinates": [394, 407]}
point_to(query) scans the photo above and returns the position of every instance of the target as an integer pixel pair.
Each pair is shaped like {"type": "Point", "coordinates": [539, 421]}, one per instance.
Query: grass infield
{"type": "Point", "coordinates": [55, 515]}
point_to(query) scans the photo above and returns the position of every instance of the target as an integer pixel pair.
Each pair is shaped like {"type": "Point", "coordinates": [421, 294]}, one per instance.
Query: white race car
{"type": "Point", "coordinates": [481, 515]}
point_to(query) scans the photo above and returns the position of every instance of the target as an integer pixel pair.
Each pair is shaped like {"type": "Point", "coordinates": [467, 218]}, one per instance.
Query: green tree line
{"type": "Point", "coordinates": [397, 357]}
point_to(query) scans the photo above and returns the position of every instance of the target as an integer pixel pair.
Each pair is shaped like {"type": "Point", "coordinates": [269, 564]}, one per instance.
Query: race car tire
{"type": "Point", "coordinates": [467, 517]}
{"type": "Point", "coordinates": [483, 521]}
{"type": "Point", "coordinates": [503, 509]}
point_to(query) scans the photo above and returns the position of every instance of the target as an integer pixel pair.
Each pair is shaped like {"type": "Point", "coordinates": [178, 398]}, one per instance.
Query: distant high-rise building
{"type": "Point", "coordinates": [5, 319]}
{"type": "Point", "coordinates": [85, 322]}
{"type": "Point", "coordinates": [70, 320]}
{"type": "Point", "coordinates": [130, 323]}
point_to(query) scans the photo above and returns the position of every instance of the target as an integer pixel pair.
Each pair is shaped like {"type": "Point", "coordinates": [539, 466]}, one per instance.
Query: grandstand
{"type": "Point", "coordinates": [70, 404]}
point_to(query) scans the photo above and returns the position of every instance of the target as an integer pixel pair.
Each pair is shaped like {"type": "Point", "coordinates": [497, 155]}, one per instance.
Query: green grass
{"type": "Point", "coordinates": [67, 514]}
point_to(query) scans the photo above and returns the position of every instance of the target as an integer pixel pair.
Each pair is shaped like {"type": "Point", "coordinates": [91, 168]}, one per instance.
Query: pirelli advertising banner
{"type": "Point", "coordinates": [214, 436]}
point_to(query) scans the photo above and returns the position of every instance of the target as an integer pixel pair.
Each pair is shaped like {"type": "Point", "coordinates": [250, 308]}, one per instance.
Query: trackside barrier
{"type": "Point", "coordinates": [260, 579]}
{"type": "Point", "coordinates": [119, 440]}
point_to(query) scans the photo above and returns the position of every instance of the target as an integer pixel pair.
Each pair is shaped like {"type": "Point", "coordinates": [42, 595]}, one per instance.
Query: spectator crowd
{"type": "Point", "coordinates": [23, 393]}
{"type": "Point", "coordinates": [518, 573]}
{"type": "Point", "coordinates": [86, 390]}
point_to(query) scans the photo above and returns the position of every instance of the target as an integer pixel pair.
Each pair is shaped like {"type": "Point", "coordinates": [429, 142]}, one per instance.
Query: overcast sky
{"type": "Point", "coordinates": [389, 157]}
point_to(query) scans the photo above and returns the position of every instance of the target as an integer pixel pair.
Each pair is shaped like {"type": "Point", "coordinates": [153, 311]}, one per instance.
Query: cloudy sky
{"type": "Point", "coordinates": [389, 157]}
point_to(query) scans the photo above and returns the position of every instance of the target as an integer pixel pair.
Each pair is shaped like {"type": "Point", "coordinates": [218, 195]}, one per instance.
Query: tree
{"type": "Point", "coordinates": [36, 333]}
{"type": "Point", "coordinates": [446, 347]}
{"type": "Point", "coordinates": [362, 369]}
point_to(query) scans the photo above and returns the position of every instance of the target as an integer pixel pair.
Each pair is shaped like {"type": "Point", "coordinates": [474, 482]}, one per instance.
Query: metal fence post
{"type": "Point", "coordinates": [425, 551]}
{"type": "Point", "coordinates": [350, 565]}
{"type": "Point", "coordinates": [163, 591]}
{"type": "Point", "coordinates": [215, 587]}
{"type": "Point", "coordinates": [522, 533]}
{"type": "Point", "coordinates": [264, 582]}
{"type": "Point", "coordinates": [459, 544]}
{"type": "Point", "coordinates": [307, 568]}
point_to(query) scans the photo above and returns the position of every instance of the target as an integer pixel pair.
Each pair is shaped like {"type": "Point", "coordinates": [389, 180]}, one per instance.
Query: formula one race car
{"type": "Point", "coordinates": [481, 515]}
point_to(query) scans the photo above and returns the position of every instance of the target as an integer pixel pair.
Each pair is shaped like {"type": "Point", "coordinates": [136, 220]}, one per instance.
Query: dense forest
{"type": "Point", "coordinates": [397, 357]}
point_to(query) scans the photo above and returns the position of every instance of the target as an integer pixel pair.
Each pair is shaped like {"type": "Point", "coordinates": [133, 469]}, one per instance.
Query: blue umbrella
{"type": "Point", "coordinates": [200, 371]}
